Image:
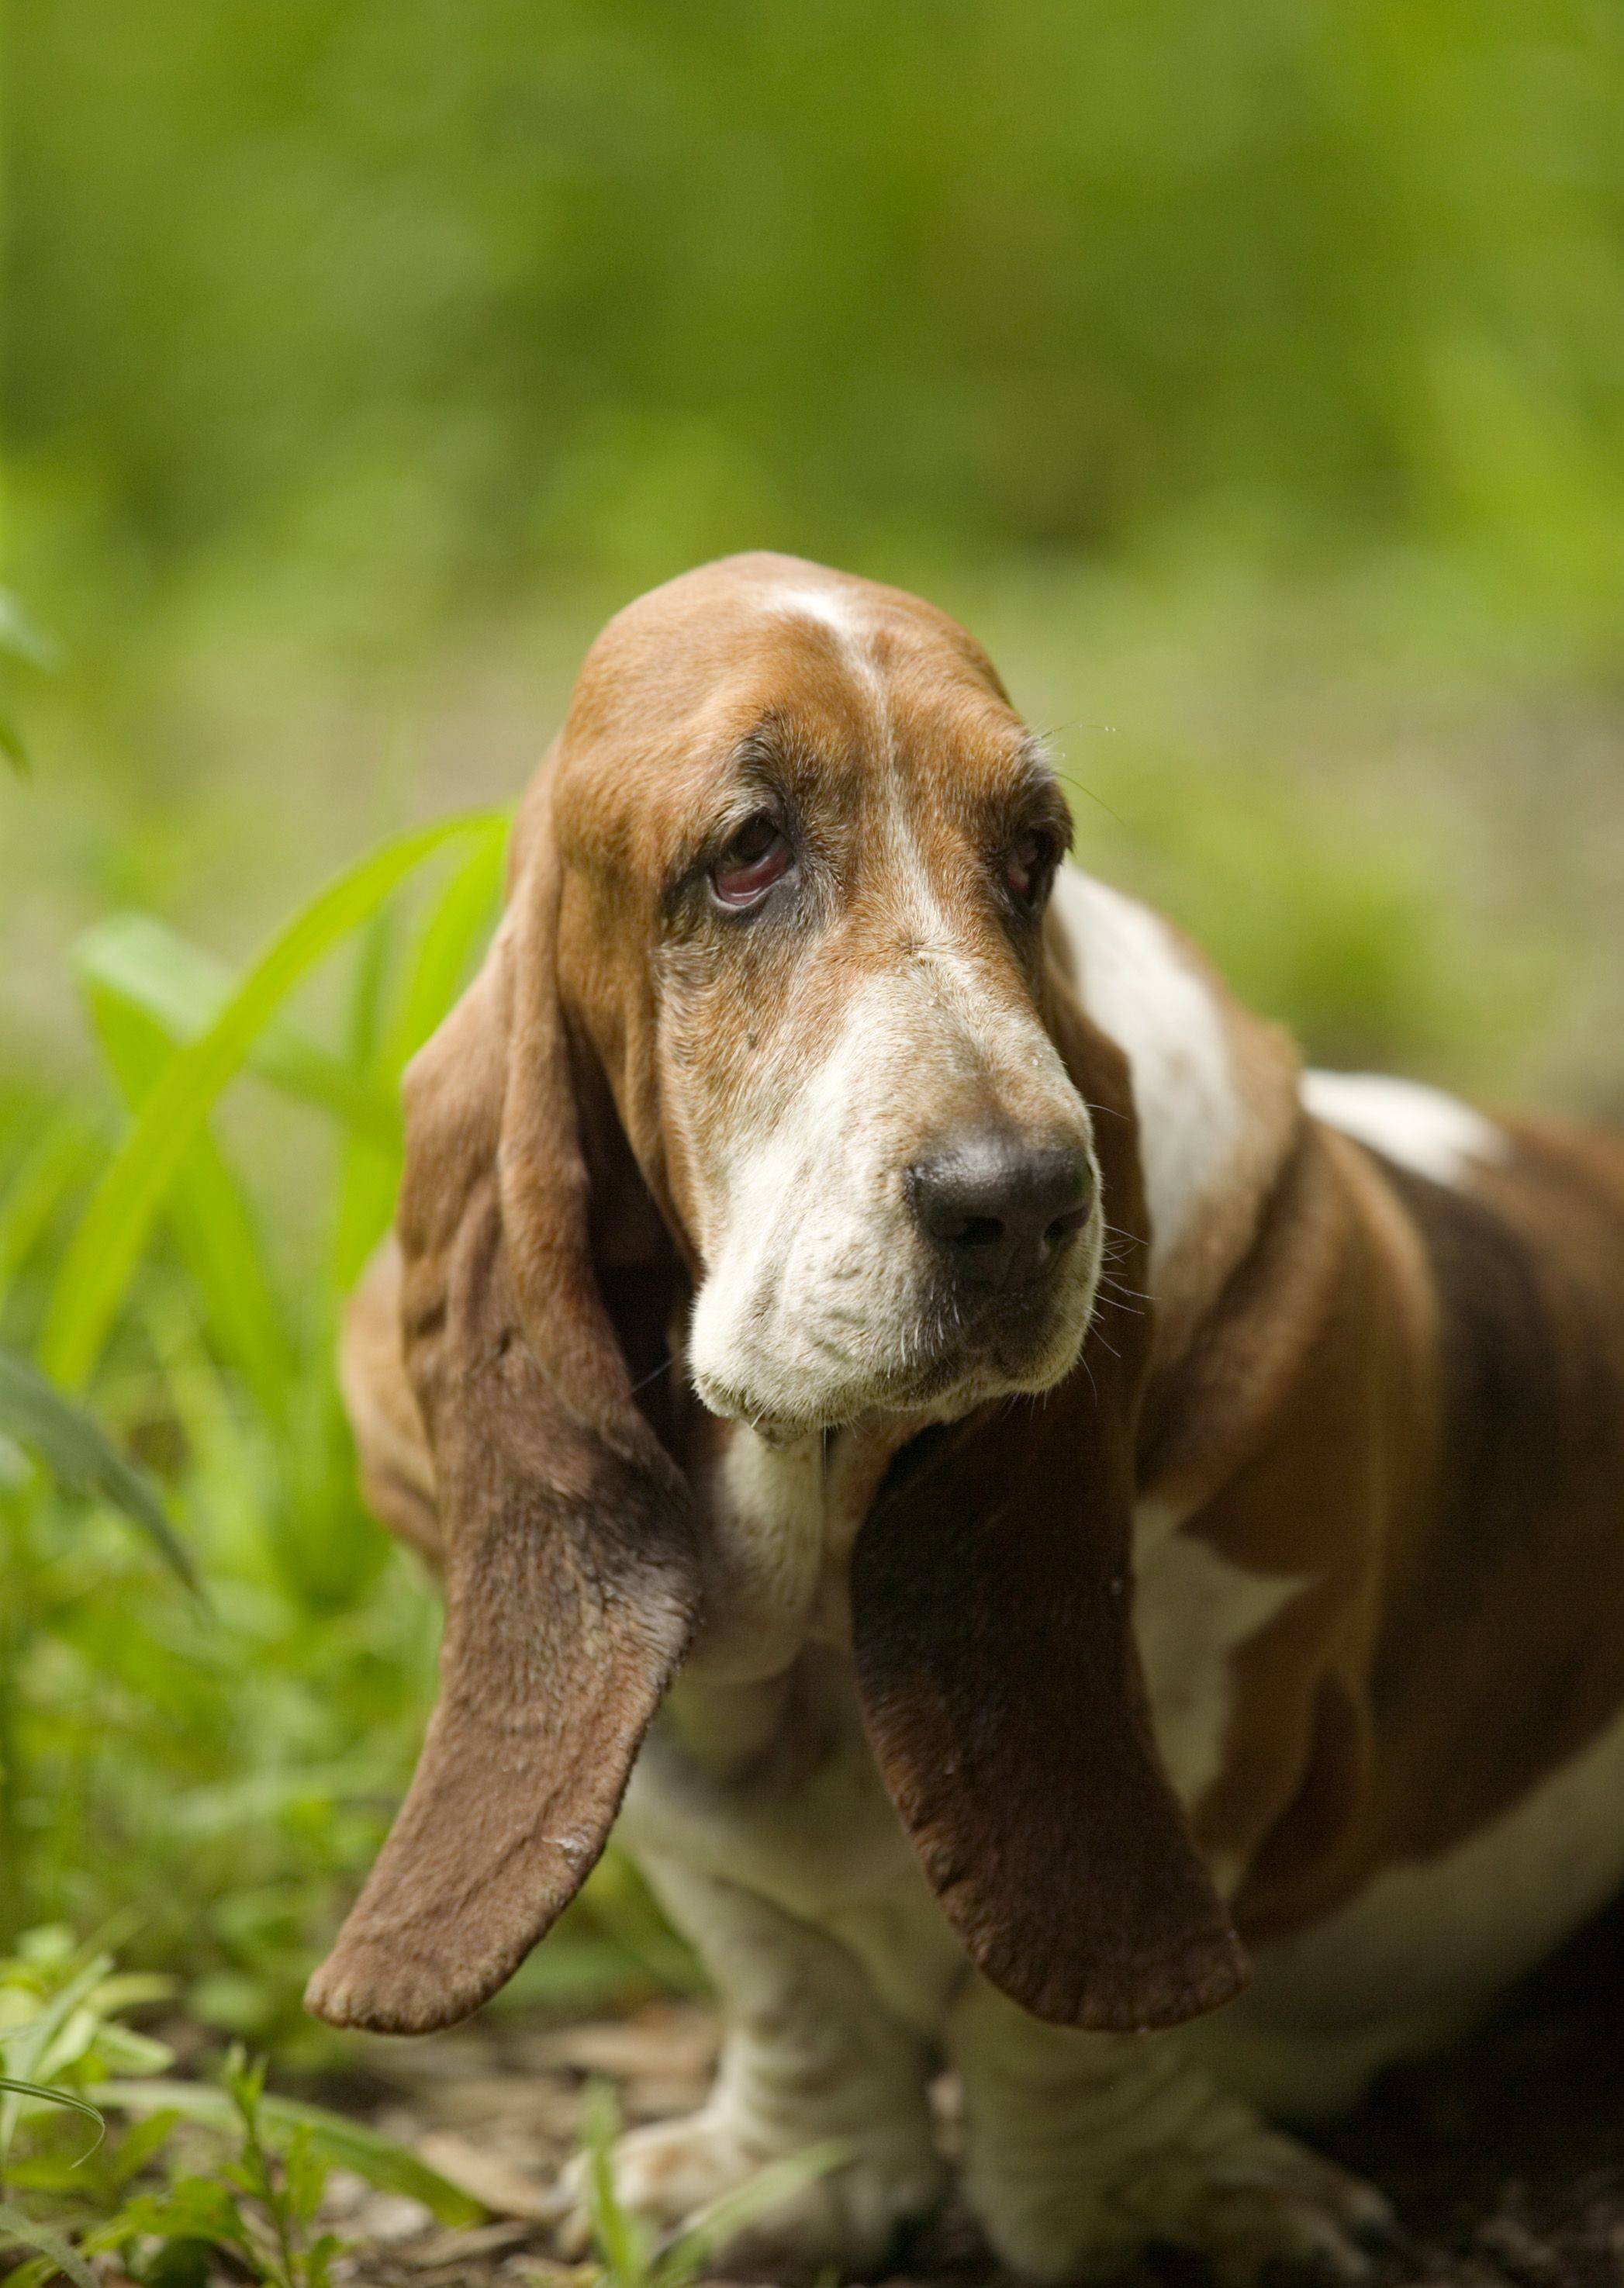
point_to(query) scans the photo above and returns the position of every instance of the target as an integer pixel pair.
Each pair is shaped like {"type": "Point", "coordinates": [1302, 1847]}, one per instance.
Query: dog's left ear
{"type": "Point", "coordinates": [571, 1560]}
{"type": "Point", "coordinates": [991, 1600]}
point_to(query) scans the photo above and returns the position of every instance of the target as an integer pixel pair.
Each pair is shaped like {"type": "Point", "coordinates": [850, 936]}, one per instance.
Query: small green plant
{"type": "Point", "coordinates": [627, 2252]}
{"type": "Point", "coordinates": [150, 2188]}
{"type": "Point", "coordinates": [259, 2207]}
{"type": "Point", "coordinates": [69, 1443]}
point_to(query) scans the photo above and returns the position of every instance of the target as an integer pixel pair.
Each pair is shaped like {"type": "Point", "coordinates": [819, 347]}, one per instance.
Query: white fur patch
{"type": "Point", "coordinates": [1420, 1127]}
{"type": "Point", "coordinates": [1192, 1610]}
{"type": "Point", "coordinates": [825, 605]}
{"type": "Point", "coordinates": [850, 627]}
{"type": "Point", "coordinates": [1137, 987]}
{"type": "Point", "coordinates": [1080, 2148]}
{"type": "Point", "coordinates": [764, 1554]}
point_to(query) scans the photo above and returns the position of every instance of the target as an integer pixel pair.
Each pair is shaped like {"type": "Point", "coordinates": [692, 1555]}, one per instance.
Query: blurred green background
{"type": "Point", "coordinates": [1250, 379]}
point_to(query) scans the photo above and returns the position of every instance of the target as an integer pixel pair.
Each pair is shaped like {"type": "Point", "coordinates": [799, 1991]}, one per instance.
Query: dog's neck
{"type": "Point", "coordinates": [778, 1524]}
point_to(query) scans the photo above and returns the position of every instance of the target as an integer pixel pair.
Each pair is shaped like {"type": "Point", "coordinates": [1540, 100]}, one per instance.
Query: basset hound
{"type": "Point", "coordinates": [1077, 1552]}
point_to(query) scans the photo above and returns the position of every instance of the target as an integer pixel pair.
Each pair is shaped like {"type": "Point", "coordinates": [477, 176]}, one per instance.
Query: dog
{"type": "Point", "coordinates": [1093, 1558]}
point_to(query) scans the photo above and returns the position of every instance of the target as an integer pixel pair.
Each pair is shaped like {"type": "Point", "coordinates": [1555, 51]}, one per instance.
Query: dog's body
{"type": "Point", "coordinates": [1351, 1402]}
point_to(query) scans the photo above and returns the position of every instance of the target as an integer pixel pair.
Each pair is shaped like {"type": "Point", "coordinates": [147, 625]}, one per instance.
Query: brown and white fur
{"type": "Point", "coordinates": [1231, 1582]}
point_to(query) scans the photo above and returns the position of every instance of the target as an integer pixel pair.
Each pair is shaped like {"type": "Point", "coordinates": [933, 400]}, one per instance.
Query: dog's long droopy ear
{"type": "Point", "coordinates": [572, 1580]}
{"type": "Point", "coordinates": [991, 1611]}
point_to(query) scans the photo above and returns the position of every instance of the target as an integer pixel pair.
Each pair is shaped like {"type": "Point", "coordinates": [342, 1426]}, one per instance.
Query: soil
{"type": "Point", "coordinates": [1505, 2158]}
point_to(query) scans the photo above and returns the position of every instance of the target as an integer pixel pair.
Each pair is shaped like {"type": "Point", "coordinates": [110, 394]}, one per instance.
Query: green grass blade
{"type": "Point", "coordinates": [212, 1219]}
{"type": "Point", "coordinates": [37, 2272]}
{"type": "Point", "coordinates": [100, 1263]}
{"type": "Point", "coordinates": [43, 2093]}
{"type": "Point", "coordinates": [456, 918]}
{"type": "Point", "coordinates": [44, 1176]}
{"type": "Point", "coordinates": [368, 1176]}
{"type": "Point", "coordinates": [688, 2256]}
{"type": "Point", "coordinates": [622, 2240]}
{"type": "Point", "coordinates": [80, 1456]}
{"type": "Point", "coordinates": [45, 2096]}
{"type": "Point", "coordinates": [183, 989]}
{"type": "Point", "coordinates": [347, 2144]}
{"type": "Point", "coordinates": [28, 2046]}
{"type": "Point", "coordinates": [375, 949]}
{"type": "Point", "coordinates": [67, 2261]}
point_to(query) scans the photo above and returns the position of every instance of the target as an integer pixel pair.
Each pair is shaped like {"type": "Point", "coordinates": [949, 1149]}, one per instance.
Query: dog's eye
{"type": "Point", "coordinates": [757, 856]}
{"type": "Point", "coordinates": [1028, 866]}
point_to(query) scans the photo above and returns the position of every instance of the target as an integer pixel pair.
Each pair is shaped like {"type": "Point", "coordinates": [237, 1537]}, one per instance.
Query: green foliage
{"type": "Point", "coordinates": [113, 1231]}
{"type": "Point", "coordinates": [336, 2140]}
{"type": "Point", "coordinates": [81, 1458]}
{"type": "Point", "coordinates": [437, 296]}
{"type": "Point", "coordinates": [157, 2199]}
{"type": "Point", "coordinates": [20, 640]}
{"type": "Point", "coordinates": [145, 2191]}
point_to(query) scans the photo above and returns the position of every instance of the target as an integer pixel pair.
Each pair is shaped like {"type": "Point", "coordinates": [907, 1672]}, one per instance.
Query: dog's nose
{"type": "Point", "coordinates": [1001, 1210]}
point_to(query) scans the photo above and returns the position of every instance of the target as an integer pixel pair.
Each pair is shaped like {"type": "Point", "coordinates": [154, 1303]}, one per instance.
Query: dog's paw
{"type": "Point", "coordinates": [1257, 2210]}
{"type": "Point", "coordinates": [1278, 2205]}
{"type": "Point", "coordinates": [852, 2219]}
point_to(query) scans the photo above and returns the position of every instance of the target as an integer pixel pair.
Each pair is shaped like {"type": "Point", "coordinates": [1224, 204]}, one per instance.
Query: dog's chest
{"type": "Point", "coordinates": [761, 1774]}
{"type": "Point", "coordinates": [782, 1523]}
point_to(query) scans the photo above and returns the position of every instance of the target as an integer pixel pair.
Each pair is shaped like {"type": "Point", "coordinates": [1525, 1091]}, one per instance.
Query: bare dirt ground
{"type": "Point", "coordinates": [1505, 2159]}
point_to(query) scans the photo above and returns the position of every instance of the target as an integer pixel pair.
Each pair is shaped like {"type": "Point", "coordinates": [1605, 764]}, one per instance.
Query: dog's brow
{"type": "Point", "coordinates": [1035, 788]}
{"type": "Point", "coordinates": [770, 744]}
{"type": "Point", "coordinates": [1035, 762]}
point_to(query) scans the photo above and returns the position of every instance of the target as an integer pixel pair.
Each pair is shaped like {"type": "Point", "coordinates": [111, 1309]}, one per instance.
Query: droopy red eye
{"type": "Point", "coordinates": [756, 858]}
{"type": "Point", "coordinates": [1027, 865]}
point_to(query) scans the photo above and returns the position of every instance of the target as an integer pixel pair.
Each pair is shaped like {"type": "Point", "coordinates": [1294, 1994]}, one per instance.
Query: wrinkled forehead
{"type": "Point", "coordinates": [847, 684]}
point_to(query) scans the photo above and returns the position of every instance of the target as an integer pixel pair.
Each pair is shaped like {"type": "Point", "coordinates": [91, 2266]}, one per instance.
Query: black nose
{"type": "Point", "coordinates": [1000, 1210]}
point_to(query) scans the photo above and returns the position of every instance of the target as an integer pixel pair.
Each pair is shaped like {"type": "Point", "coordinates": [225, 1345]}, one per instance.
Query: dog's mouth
{"type": "Point", "coordinates": [958, 1355]}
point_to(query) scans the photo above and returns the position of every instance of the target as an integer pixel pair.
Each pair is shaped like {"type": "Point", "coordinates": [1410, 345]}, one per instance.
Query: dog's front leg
{"type": "Point", "coordinates": [1082, 2149]}
{"type": "Point", "coordinates": [809, 2053]}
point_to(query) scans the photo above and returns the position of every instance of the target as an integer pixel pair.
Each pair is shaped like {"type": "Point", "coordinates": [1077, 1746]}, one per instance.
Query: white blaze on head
{"type": "Point", "coordinates": [851, 627]}
{"type": "Point", "coordinates": [823, 605]}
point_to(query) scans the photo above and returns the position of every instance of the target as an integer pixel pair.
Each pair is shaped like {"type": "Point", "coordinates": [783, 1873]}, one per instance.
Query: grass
{"type": "Point", "coordinates": [628, 2253]}
{"type": "Point", "coordinates": [251, 2189]}
{"type": "Point", "coordinates": [107, 2152]}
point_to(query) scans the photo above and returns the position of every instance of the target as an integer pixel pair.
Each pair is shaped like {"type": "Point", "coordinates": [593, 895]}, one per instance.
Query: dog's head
{"type": "Point", "coordinates": [771, 1029]}
{"type": "Point", "coordinates": [807, 847]}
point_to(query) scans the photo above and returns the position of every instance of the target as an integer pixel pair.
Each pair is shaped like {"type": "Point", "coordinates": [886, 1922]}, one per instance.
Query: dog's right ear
{"type": "Point", "coordinates": [572, 1578]}
{"type": "Point", "coordinates": [992, 1588]}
